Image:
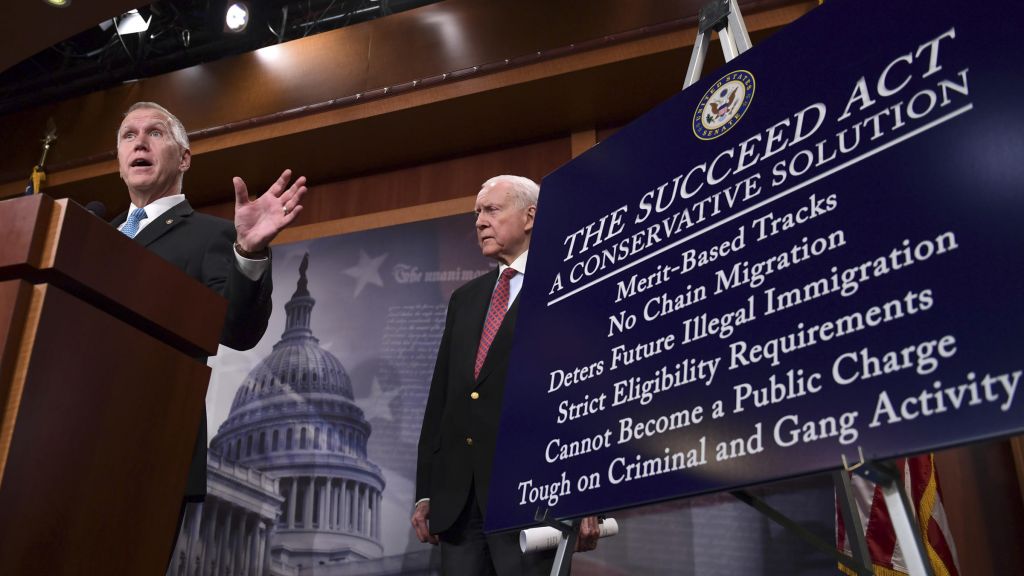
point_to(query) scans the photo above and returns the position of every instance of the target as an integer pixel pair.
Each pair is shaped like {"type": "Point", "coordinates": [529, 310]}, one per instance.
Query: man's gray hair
{"type": "Point", "coordinates": [524, 191]}
{"type": "Point", "coordinates": [178, 132]}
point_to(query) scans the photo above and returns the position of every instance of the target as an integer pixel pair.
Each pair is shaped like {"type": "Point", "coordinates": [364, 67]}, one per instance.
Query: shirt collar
{"type": "Point", "coordinates": [161, 205]}
{"type": "Point", "coordinates": [519, 264]}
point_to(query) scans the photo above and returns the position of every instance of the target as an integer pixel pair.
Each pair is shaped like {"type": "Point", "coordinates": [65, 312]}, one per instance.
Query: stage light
{"type": "Point", "coordinates": [132, 23]}
{"type": "Point", "coordinates": [237, 17]}
{"type": "Point", "coordinates": [58, 3]}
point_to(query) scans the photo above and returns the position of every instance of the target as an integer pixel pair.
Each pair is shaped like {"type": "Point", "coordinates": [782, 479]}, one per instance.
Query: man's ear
{"type": "Point", "coordinates": [531, 213]}
{"type": "Point", "coordinates": [186, 160]}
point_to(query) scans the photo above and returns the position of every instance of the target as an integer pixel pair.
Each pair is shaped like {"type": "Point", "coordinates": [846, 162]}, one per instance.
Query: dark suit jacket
{"type": "Point", "coordinates": [448, 465]}
{"type": "Point", "coordinates": [203, 247]}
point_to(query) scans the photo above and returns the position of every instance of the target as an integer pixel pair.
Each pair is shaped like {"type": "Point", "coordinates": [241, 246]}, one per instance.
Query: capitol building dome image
{"type": "Point", "coordinates": [291, 486]}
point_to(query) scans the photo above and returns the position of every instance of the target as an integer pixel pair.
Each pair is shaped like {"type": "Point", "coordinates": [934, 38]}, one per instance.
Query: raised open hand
{"type": "Point", "coordinates": [258, 221]}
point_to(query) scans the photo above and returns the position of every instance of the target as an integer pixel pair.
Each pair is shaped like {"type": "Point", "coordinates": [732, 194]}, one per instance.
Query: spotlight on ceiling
{"type": "Point", "coordinates": [237, 17]}
{"type": "Point", "coordinates": [132, 23]}
{"type": "Point", "coordinates": [58, 3]}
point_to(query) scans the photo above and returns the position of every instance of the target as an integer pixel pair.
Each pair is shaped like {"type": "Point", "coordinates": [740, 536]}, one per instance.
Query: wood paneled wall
{"type": "Point", "coordinates": [981, 486]}
{"type": "Point", "coordinates": [398, 196]}
{"type": "Point", "coordinates": [441, 81]}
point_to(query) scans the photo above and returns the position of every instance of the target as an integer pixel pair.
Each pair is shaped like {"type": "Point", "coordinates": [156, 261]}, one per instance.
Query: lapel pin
{"type": "Point", "coordinates": [169, 221]}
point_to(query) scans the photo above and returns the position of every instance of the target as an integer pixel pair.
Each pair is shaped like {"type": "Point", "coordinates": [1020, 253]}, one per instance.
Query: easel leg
{"type": "Point", "coordinates": [566, 546]}
{"type": "Point", "coordinates": [697, 57]}
{"type": "Point", "coordinates": [724, 17]}
{"type": "Point", "coordinates": [738, 28]}
{"type": "Point", "coordinates": [901, 514]}
{"type": "Point", "coordinates": [782, 520]}
{"type": "Point", "coordinates": [851, 521]}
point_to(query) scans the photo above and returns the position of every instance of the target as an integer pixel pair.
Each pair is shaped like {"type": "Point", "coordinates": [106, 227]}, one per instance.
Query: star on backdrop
{"type": "Point", "coordinates": [367, 271]}
{"type": "Point", "coordinates": [377, 404]}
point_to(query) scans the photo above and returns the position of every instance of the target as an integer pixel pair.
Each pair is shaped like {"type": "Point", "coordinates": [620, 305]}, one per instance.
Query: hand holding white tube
{"type": "Point", "coordinates": [546, 537]}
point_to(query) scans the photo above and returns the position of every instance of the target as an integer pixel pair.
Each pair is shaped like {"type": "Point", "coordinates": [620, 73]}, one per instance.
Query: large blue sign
{"type": "Point", "coordinates": [816, 249]}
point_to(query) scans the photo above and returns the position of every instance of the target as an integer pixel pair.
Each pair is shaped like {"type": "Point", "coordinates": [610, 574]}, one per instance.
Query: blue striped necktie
{"type": "Point", "coordinates": [131, 225]}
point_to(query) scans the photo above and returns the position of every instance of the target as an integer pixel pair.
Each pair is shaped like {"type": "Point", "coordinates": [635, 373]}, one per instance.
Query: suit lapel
{"type": "Point", "coordinates": [163, 223]}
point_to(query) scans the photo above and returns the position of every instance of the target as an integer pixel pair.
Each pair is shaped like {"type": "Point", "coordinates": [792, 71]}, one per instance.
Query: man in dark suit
{"type": "Point", "coordinates": [460, 425]}
{"type": "Point", "coordinates": [231, 258]}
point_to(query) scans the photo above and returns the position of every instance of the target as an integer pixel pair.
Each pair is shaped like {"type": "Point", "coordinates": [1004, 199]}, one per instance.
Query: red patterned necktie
{"type": "Point", "coordinates": [495, 314]}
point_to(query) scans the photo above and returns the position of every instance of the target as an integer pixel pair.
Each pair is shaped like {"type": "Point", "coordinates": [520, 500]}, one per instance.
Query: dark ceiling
{"type": "Point", "coordinates": [182, 33]}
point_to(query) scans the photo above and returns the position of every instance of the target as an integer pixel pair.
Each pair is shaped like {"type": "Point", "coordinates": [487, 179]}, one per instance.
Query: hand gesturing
{"type": "Point", "coordinates": [258, 221]}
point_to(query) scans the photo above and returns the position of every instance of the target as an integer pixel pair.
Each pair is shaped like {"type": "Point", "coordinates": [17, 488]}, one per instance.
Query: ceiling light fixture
{"type": "Point", "coordinates": [132, 22]}
{"type": "Point", "coordinates": [237, 17]}
{"type": "Point", "coordinates": [58, 3]}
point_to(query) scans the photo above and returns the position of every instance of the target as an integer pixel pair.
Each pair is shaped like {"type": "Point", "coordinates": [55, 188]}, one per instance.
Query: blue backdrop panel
{"type": "Point", "coordinates": [816, 248]}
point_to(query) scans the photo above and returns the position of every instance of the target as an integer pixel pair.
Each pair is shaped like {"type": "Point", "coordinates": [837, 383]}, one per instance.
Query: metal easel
{"type": "Point", "coordinates": [570, 531]}
{"type": "Point", "coordinates": [722, 16]}
{"type": "Point", "coordinates": [901, 513]}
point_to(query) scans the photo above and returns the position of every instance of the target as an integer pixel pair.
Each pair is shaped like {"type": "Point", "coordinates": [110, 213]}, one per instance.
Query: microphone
{"type": "Point", "coordinates": [97, 208]}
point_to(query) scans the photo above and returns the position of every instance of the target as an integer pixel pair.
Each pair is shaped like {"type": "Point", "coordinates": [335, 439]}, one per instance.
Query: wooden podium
{"type": "Point", "coordinates": [101, 393]}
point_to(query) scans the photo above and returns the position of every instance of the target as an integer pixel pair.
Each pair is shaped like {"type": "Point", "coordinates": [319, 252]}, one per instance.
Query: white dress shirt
{"type": "Point", "coordinates": [516, 283]}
